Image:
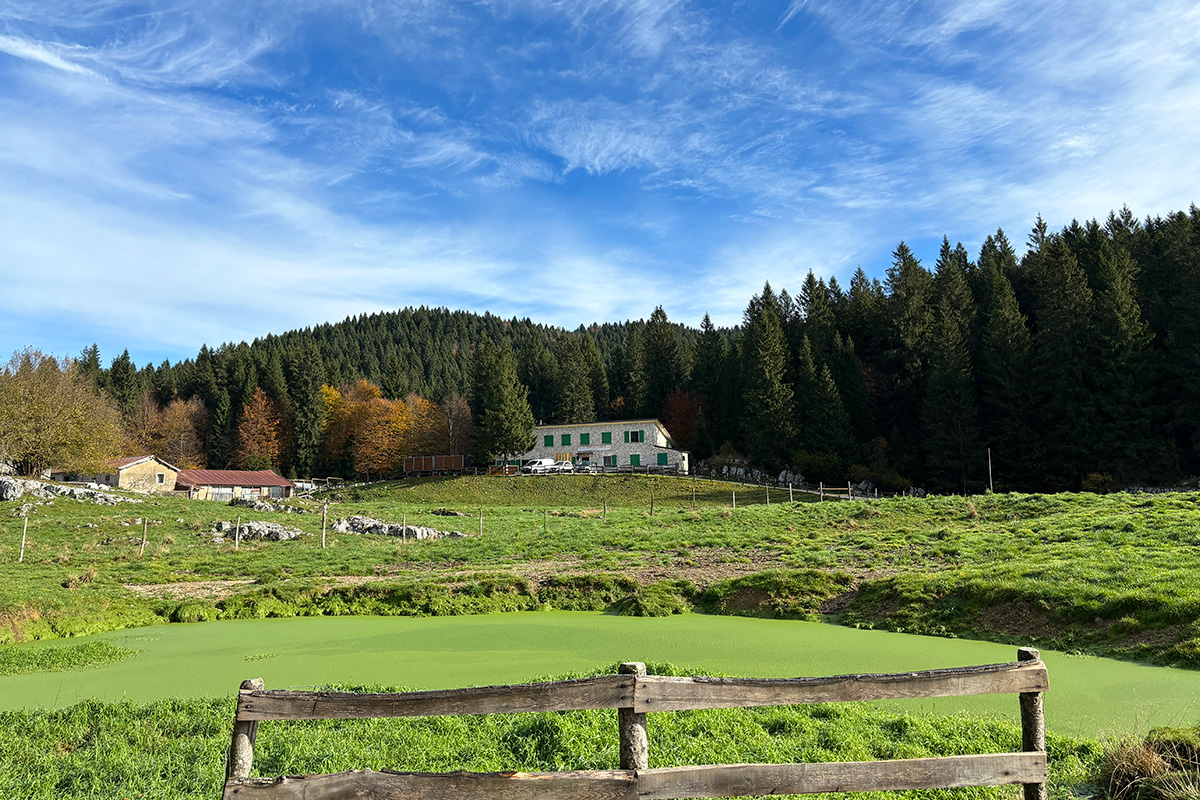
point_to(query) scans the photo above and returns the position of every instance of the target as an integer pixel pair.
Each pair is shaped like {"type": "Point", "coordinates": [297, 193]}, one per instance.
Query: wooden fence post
{"type": "Point", "coordinates": [403, 527]}
{"type": "Point", "coordinates": [142, 549]}
{"type": "Point", "coordinates": [821, 496]}
{"type": "Point", "coordinates": [237, 535]}
{"type": "Point", "coordinates": [324, 514]}
{"type": "Point", "coordinates": [791, 496]}
{"type": "Point", "coordinates": [635, 745]}
{"type": "Point", "coordinates": [735, 499]}
{"type": "Point", "coordinates": [241, 749]}
{"type": "Point", "coordinates": [849, 491]}
{"type": "Point", "coordinates": [24, 530]}
{"type": "Point", "coordinates": [606, 509]}
{"type": "Point", "coordinates": [768, 495]}
{"type": "Point", "coordinates": [1033, 724]}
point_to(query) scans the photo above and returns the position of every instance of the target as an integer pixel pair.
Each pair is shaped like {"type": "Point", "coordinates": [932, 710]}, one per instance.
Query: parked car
{"type": "Point", "coordinates": [563, 466]}
{"type": "Point", "coordinates": [539, 466]}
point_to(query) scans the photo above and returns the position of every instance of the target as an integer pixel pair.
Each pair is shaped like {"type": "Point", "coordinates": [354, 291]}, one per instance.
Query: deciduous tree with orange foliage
{"type": "Point", "coordinates": [258, 433]}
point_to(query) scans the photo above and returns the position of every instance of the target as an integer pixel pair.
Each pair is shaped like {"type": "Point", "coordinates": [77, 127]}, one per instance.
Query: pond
{"type": "Point", "coordinates": [1088, 696]}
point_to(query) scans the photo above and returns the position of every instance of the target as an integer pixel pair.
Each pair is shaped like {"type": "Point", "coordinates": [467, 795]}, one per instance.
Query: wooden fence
{"type": "Point", "coordinates": [634, 694]}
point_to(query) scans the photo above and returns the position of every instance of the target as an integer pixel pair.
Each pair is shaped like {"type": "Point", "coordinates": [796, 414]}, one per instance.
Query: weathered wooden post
{"type": "Point", "coordinates": [24, 530]}
{"type": "Point", "coordinates": [821, 496]}
{"type": "Point", "coordinates": [241, 749]}
{"type": "Point", "coordinates": [404, 527]}
{"type": "Point", "coordinates": [768, 495]}
{"type": "Point", "coordinates": [791, 496]}
{"type": "Point", "coordinates": [635, 745]}
{"type": "Point", "coordinates": [324, 514]}
{"type": "Point", "coordinates": [734, 498]}
{"type": "Point", "coordinates": [1033, 724]}
{"type": "Point", "coordinates": [849, 491]}
{"type": "Point", "coordinates": [142, 549]}
{"type": "Point", "coordinates": [237, 535]}
{"type": "Point", "coordinates": [606, 509]}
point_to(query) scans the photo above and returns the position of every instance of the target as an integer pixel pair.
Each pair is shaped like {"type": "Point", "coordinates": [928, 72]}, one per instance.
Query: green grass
{"type": "Point", "coordinates": [68, 658]}
{"type": "Point", "coordinates": [1117, 574]}
{"type": "Point", "coordinates": [175, 749]}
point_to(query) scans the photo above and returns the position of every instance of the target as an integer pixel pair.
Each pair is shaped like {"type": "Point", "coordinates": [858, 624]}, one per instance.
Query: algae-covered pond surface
{"type": "Point", "coordinates": [1089, 696]}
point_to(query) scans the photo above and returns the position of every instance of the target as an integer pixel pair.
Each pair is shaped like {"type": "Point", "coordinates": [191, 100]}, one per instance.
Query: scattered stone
{"type": "Point", "coordinates": [14, 488]}
{"type": "Point", "coordinates": [445, 512]}
{"type": "Point", "coordinates": [253, 529]}
{"type": "Point", "coordinates": [263, 505]}
{"type": "Point", "coordinates": [375, 527]}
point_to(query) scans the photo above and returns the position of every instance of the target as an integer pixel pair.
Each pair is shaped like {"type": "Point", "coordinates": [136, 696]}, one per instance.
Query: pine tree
{"type": "Point", "coordinates": [1061, 352]}
{"type": "Point", "coordinates": [1003, 367]}
{"type": "Point", "coordinates": [219, 450]}
{"type": "Point", "coordinates": [769, 410]}
{"type": "Point", "coordinates": [572, 387]}
{"type": "Point", "coordinates": [124, 384]}
{"type": "Point", "coordinates": [305, 377]}
{"type": "Point", "coordinates": [504, 421]}
{"type": "Point", "coordinates": [597, 376]}
{"type": "Point", "coordinates": [663, 360]}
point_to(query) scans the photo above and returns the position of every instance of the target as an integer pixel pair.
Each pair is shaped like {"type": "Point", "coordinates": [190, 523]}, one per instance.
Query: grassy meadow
{"type": "Point", "coordinates": [1117, 574]}
{"type": "Point", "coordinates": [175, 749]}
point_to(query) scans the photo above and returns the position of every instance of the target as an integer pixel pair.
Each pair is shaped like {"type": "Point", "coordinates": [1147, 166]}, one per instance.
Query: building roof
{"type": "Point", "coordinates": [230, 477]}
{"type": "Point", "coordinates": [129, 461]}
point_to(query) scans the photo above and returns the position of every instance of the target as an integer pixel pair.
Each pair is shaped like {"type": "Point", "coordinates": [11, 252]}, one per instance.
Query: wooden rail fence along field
{"type": "Point", "coordinates": [633, 694]}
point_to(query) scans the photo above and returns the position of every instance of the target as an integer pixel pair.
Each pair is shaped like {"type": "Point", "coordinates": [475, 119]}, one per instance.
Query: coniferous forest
{"type": "Point", "coordinates": [1077, 363]}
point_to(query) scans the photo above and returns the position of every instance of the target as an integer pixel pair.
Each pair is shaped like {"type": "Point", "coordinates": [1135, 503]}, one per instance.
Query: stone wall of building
{"type": "Point", "coordinates": [654, 442]}
{"type": "Point", "coordinates": [144, 477]}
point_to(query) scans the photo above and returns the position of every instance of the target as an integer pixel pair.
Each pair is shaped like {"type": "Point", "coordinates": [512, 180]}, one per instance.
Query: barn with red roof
{"type": "Point", "coordinates": [230, 484]}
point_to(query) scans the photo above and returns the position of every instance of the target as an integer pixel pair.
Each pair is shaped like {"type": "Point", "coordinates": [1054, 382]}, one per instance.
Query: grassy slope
{"type": "Point", "coordinates": [1117, 574]}
{"type": "Point", "coordinates": [175, 749]}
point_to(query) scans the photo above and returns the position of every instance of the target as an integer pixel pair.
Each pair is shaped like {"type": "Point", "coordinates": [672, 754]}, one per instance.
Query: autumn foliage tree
{"type": "Point", "coordinates": [51, 415]}
{"type": "Point", "coordinates": [259, 433]}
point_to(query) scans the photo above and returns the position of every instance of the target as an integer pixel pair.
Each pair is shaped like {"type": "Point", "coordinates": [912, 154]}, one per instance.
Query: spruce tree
{"type": "Point", "coordinates": [572, 387]}
{"type": "Point", "coordinates": [768, 418]}
{"type": "Point", "coordinates": [305, 377]}
{"type": "Point", "coordinates": [1004, 378]}
{"type": "Point", "coordinates": [504, 421]}
{"type": "Point", "coordinates": [663, 360]}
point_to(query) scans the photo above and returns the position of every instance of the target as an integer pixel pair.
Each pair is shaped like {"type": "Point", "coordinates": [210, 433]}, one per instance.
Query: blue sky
{"type": "Point", "coordinates": [180, 173]}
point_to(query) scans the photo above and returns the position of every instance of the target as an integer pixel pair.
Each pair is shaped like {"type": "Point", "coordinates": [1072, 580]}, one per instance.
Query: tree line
{"type": "Point", "coordinates": [1076, 364]}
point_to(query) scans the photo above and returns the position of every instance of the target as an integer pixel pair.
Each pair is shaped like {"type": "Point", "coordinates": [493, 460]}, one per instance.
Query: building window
{"type": "Point", "coordinates": [548, 440]}
{"type": "Point", "coordinates": [585, 438]}
{"type": "Point", "coordinates": [161, 477]}
{"type": "Point", "coordinates": [662, 459]}
{"type": "Point", "coordinates": [606, 437]}
{"type": "Point", "coordinates": [610, 461]}
{"type": "Point", "coordinates": [635, 460]}
{"type": "Point", "coordinates": [633, 437]}
{"type": "Point", "coordinates": [566, 440]}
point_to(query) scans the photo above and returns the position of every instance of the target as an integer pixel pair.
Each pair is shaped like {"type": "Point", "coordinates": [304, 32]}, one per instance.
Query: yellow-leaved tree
{"type": "Point", "coordinates": [51, 416]}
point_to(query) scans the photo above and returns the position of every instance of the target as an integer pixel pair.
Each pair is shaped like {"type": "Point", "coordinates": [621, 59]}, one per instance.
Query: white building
{"type": "Point", "coordinates": [624, 445]}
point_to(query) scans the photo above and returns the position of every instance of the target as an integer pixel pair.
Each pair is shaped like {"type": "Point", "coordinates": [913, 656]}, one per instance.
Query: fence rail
{"type": "Point", "coordinates": [633, 694]}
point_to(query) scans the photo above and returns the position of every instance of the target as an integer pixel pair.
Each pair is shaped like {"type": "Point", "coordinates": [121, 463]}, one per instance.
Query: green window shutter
{"type": "Point", "coordinates": [585, 438]}
{"type": "Point", "coordinates": [641, 436]}
{"type": "Point", "coordinates": [662, 459]}
{"type": "Point", "coordinates": [635, 460]}
{"type": "Point", "coordinates": [626, 437]}
{"type": "Point", "coordinates": [606, 438]}
{"type": "Point", "coordinates": [566, 439]}
{"type": "Point", "coordinates": [548, 440]}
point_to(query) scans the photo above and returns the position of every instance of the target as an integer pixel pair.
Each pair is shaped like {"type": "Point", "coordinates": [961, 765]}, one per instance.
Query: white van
{"type": "Point", "coordinates": [539, 466]}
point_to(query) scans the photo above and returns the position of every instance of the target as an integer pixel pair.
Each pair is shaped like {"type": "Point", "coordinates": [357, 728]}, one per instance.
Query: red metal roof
{"type": "Point", "coordinates": [230, 477]}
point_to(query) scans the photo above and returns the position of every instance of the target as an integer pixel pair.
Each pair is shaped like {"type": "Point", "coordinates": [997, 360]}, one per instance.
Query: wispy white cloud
{"type": "Point", "coordinates": [41, 53]}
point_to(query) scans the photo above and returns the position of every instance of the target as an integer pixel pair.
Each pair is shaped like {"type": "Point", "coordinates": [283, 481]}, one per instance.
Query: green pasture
{"type": "Point", "coordinates": [1116, 575]}
{"type": "Point", "coordinates": [1089, 696]}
